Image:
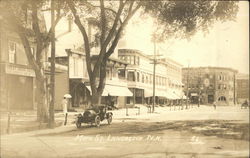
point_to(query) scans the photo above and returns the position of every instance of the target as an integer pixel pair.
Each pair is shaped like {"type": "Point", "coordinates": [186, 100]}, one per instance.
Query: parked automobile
{"type": "Point", "coordinates": [94, 115]}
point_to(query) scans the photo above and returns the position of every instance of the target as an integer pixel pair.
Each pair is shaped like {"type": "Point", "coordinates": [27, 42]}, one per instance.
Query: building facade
{"type": "Point", "coordinates": [242, 87]}
{"type": "Point", "coordinates": [208, 84]}
{"type": "Point", "coordinates": [79, 87]}
{"type": "Point", "coordinates": [140, 77]}
{"type": "Point", "coordinates": [17, 78]}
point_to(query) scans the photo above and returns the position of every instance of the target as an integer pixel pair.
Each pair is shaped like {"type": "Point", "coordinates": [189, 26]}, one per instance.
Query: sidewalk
{"type": "Point", "coordinates": [25, 122]}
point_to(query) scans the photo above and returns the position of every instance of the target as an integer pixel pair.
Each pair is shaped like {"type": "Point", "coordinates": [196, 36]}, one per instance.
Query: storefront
{"type": "Point", "coordinates": [18, 87]}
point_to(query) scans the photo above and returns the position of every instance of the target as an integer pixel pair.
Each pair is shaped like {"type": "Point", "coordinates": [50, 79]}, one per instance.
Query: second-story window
{"type": "Point", "coordinates": [75, 66]}
{"type": "Point", "coordinates": [12, 52]}
{"type": "Point", "coordinates": [132, 60]}
{"type": "Point", "coordinates": [138, 77]}
{"type": "Point", "coordinates": [131, 76]}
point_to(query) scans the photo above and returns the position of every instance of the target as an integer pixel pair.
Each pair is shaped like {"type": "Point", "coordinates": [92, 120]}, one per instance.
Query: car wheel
{"type": "Point", "coordinates": [109, 119]}
{"type": "Point", "coordinates": [97, 121]}
{"type": "Point", "coordinates": [78, 123]}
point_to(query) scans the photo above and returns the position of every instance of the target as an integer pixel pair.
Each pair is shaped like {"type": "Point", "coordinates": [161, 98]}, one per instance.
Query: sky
{"type": "Point", "coordinates": [226, 45]}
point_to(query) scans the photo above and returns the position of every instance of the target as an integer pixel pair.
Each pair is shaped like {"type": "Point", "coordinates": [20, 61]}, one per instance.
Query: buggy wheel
{"type": "Point", "coordinates": [109, 119]}
{"type": "Point", "coordinates": [78, 123]}
{"type": "Point", "coordinates": [97, 121]}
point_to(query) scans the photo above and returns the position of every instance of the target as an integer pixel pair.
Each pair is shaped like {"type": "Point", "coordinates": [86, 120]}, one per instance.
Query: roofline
{"type": "Point", "coordinates": [211, 67]}
{"type": "Point", "coordinates": [150, 57]}
{"type": "Point", "coordinates": [95, 56]}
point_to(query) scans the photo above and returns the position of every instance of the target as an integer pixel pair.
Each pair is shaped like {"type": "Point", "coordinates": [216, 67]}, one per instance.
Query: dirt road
{"type": "Point", "coordinates": [135, 138]}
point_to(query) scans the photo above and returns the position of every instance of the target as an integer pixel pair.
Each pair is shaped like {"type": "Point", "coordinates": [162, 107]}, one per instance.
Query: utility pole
{"type": "Point", "coordinates": [187, 86]}
{"type": "Point", "coordinates": [52, 67]}
{"type": "Point", "coordinates": [154, 62]}
{"type": "Point", "coordinates": [199, 96]}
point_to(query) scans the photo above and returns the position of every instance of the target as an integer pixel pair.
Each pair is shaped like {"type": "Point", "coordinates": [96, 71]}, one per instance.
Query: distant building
{"type": "Point", "coordinates": [210, 84]}
{"type": "Point", "coordinates": [168, 83]}
{"type": "Point", "coordinates": [242, 87]}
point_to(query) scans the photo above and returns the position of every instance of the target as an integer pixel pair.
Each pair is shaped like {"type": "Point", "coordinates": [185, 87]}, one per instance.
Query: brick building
{"type": "Point", "coordinates": [209, 84]}
{"type": "Point", "coordinates": [242, 87]}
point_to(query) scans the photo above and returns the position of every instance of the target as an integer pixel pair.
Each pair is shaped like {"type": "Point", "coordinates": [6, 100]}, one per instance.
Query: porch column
{"type": "Point", "coordinates": [134, 96]}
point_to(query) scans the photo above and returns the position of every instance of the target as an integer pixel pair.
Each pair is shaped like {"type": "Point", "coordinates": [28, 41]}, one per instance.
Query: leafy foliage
{"type": "Point", "coordinates": [182, 19]}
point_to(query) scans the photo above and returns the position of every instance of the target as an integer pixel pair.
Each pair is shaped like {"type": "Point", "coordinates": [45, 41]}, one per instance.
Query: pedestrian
{"type": "Point", "coordinates": [214, 104]}
{"type": "Point", "coordinates": [65, 108]}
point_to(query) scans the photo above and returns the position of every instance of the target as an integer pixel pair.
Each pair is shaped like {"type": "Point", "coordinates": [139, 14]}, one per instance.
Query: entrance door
{"type": "Point", "coordinates": [210, 99]}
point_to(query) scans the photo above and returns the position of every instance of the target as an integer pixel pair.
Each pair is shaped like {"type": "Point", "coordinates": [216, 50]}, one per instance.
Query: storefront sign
{"type": "Point", "coordinates": [15, 70]}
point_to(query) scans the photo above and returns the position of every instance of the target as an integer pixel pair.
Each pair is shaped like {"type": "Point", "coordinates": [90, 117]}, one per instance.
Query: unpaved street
{"type": "Point", "coordinates": [140, 136]}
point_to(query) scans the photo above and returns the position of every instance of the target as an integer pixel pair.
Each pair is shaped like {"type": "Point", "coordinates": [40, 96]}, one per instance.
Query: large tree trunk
{"type": "Point", "coordinates": [42, 109]}
{"type": "Point", "coordinates": [96, 98]}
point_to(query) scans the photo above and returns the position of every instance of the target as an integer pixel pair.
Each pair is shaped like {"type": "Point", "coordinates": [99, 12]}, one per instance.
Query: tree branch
{"type": "Point", "coordinates": [117, 37]}
{"type": "Point", "coordinates": [109, 37]}
{"type": "Point", "coordinates": [103, 22]}
{"type": "Point", "coordinates": [37, 31]}
{"type": "Point", "coordinates": [86, 41]}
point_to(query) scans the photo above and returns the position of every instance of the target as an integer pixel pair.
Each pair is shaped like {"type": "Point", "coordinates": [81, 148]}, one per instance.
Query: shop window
{"type": "Point", "coordinates": [12, 52]}
{"type": "Point", "coordinates": [129, 100]}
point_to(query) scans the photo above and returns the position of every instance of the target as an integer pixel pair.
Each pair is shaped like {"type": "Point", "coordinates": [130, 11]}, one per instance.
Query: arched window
{"type": "Point", "coordinates": [222, 98]}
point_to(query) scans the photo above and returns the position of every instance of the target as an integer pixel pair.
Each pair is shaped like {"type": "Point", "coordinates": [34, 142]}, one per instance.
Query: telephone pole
{"type": "Point", "coordinates": [154, 62]}
{"type": "Point", "coordinates": [187, 86]}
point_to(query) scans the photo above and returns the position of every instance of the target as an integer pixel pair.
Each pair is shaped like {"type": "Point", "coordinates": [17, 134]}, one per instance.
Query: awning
{"type": "Point", "coordinates": [104, 93]}
{"type": "Point", "coordinates": [176, 82]}
{"type": "Point", "coordinates": [148, 93]}
{"type": "Point", "coordinates": [158, 93]}
{"type": "Point", "coordinates": [118, 91]}
{"type": "Point", "coordinates": [171, 95]}
{"type": "Point", "coordinates": [114, 91]}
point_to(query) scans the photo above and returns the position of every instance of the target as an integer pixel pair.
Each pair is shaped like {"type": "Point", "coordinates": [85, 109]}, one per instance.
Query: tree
{"type": "Point", "coordinates": [16, 16]}
{"type": "Point", "coordinates": [175, 18]}
{"type": "Point", "coordinates": [109, 23]}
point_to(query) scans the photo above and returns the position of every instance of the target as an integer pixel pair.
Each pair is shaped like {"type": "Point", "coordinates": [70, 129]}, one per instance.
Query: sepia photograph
{"type": "Point", "coordinates": [124, 79]}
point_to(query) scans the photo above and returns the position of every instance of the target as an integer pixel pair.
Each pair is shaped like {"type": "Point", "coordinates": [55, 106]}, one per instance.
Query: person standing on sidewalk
{"type": "Point", "coordinates": [214, 104]}
{"type": "Point", "coordinates": [65, 108]}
